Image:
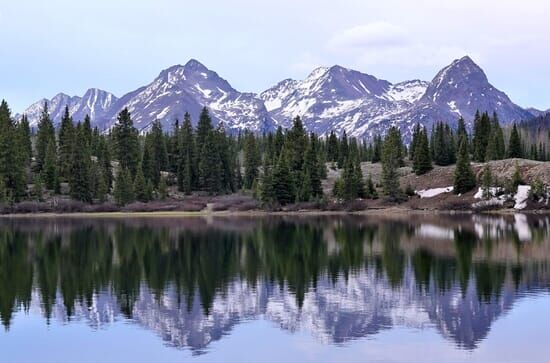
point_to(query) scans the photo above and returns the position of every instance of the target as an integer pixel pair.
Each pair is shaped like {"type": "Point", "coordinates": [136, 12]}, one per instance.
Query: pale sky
{"type": "Point", "coordinates": [118, 45]}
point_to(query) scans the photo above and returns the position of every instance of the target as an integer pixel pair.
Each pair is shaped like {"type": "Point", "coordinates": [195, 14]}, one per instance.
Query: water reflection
{"type": "Point", "coordinates": [339, 278]}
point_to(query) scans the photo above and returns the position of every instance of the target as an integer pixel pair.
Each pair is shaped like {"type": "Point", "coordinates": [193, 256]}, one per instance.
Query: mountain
{"type": "Point", "coordinates": [341, 99]}
{"type": "Point", "coordinates": [95, 103]}
{"type": "Point", "coordinates": [189, 88]}
{"type": "Point", "coordinates": [330, 98]}
{"type": "Point", "coordinates": [536, 112]}
{"type": "Point", "coordinates": [337, 98]}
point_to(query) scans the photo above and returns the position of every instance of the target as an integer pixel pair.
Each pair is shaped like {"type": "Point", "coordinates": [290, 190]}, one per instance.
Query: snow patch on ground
{"type": "Point", "coordinates": [521, 196]}
{"type": "Point", "coordinates": [492, 190]}
{"type": "Point", "coordinates": [429, 193]}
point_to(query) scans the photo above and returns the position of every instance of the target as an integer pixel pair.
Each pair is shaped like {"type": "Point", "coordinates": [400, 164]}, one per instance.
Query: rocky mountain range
{"type": "Point", "coordinates": [334, 98]}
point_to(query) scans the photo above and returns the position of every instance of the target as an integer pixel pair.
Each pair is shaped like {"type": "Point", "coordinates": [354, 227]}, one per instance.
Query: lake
{"type": "Point", "coordinates": [431, 288]}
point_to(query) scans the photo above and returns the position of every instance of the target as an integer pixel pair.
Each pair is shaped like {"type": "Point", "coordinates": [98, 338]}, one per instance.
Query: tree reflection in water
{"type": "Point", "coordinates": [192, 280]}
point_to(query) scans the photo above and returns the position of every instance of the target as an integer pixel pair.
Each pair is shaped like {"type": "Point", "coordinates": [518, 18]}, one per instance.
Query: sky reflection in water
{"type": "Point", "coordinates": [294, 289]}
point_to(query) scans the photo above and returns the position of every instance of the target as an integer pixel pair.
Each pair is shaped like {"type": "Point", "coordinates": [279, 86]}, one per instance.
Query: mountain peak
{"type": "Point", "coordinates": [194, 64]}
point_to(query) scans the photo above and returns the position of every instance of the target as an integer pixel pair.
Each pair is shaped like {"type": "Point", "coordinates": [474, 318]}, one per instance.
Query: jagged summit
{"type": "Point", "coordinates": [329, 98]}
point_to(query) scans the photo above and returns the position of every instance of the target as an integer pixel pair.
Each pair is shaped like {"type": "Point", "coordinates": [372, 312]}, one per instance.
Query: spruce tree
{"type": "Point", "coordinates": [24, 140]}
{"type": "Point", "coordinates": [267, 190]}
{"type": "Point", "coordinates": [391, 155]}
{"type": "Point", "coordinates": [210, 173]}
{"type": "Point", "coordinates": [66, 138]}
{"type": "Point", "coordinates": [482, 130]}
{"type": "Point", "coordinates": [187, 169]}
{"type": "Point", "coordinates": [283, 187]}
{"type": "Point", "coordinates": [126, 141]}
{"type": "Point", "coordinates": [332, 147]}
{"type": "Point", "coordinates": [464, 178]}
{"type": "Point", "coordinates": [81, 173]}
{"type": "Point", "coordinates": [140, 187]}
{"type": "Point", "coordinates": [514, 145]}
{"type": "Point", "coordinates": [49, 170]}
{"type": "Point", "coordinates": [124, 191]}
{"type": "Point", "coordinates": [251, 160]}
{"type": "Point", "coordinates": [12, 157]}
{"type": "Point", "coordinates": [158, 151]}
{"type": "Point", "coordinates": [311, 170]}
{"type": "Point", "coordinates": [486, 182]}
{"type": "Point", "coordinates": [44, 135]}
{"type": "Point", "coordinates": [422, 162]}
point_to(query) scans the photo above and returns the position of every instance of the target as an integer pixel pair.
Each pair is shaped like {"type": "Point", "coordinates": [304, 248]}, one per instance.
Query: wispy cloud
{"type": "Point", "coordinates": [387, 43]}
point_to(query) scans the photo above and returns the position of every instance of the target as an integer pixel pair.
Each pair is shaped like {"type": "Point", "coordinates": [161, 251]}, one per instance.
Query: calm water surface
{"type": "Point", "coordinates": [292, 289]}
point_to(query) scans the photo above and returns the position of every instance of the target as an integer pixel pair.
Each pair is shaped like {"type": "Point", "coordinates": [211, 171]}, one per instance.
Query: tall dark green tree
{"type": "Point", "coordinates": [81, 169]}
{"type": "Point", "coordinates": [125, 137]}
{"type": "Point", "coordinates": [514, 145]}
{"type": "Point", "coordinates": [464, 178]}
{"type": "Point", "coordinates": [44, 135]}
{"type": "Point", "coordinates": [49, 172]}
{"type": "Point", "coordinates": [422, 162]}
{"type": "Point", "coordinates": [283, 184]}
{"type": "Point", "coordinates": [391, 159]}
{"type": "Point", "coordinates": [210, 172]}
{"type": "Point", "coordinates": [251, 160]}
{"type": "Point", "coordinates": [482, 130]}
{"type": "Point", "coordinates": [24, 140]}
{"type": "Point", "coordinates": [124, 189]}
{"type": "Point", "coordinates": [12, 157]}
{"type": "Point", "coordinates": [66, 136]}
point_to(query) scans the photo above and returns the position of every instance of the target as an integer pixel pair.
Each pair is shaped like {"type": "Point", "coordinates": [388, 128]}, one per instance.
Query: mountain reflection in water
{"type": "Point", "coordinates": [192, 280]}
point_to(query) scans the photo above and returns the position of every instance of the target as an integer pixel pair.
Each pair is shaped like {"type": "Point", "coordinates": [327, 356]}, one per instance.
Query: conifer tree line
{"type": "Point", "coordinates": [286, 166]}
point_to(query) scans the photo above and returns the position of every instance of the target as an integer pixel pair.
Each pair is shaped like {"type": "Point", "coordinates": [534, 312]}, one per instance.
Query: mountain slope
{"type": "Point", "coordinates": [95, 103]}
{"type": "Point", "coordinates": [189, 88]}
{"type": "Point", "coordinates": [330, 98]}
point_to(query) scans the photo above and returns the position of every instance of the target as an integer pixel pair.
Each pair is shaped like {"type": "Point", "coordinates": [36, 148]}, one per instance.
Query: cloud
{"type": "Point", "coordinates": [388, 44]}
{"type": "Point", "coordinates": [377, 34]}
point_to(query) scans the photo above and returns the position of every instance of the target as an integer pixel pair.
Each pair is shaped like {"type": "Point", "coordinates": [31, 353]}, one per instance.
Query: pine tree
{"type": "Point", "coordinates": [422, 162]}
{"type": "Point", "coordinates": [486, 182]}
{"type": "Point", "coordinates": [44, 135]}
{"type": "Point", "coordinates": [332, 147]}
{"type": "Point", "coordinates": [24, 140]}
{"type": "Point", "coordinates": [66, 145]}
{"type": "Point", "coordinates": [126, 141]}
{"type": "Point", "coordinates": [267, 190]}
{"type": "Point", "coordinates": [295, 147]}
{"type": "Point", "coordinates": [391, 155]}
{"type": "Point", "coordinates": [283, 187]}
{"type": "Point", "coordinates": [227, 181]}
{"type": "Point", "coordinates": [140, 187]}
{"type": "Point", "coordinates": [38, 188]}
{"type": "Point", "coordinates": [377, 149]}
{"type": "Point", "coordinates": [210, 165]}
{"type": "Point", "coordinates": [482, 130]}
{"type": "Point", "coordinates": [464, 178]}
{"type": "Point", "coordinates": [370, 190]}
{"type": "Point", "coordinates": [79, 181]}
{"type": "Point", "coordinates": [49, 170]}
{"type": "Point", "coordinates": [343, 150]}
{"type": "Point", "coordinates": [187, 169]}
{"type": "Point", "coordinates": [163, 189]}
{"type": "Point", "coordinates": [124, 191]}
{"type": "Point", "coordinates": [12, 158]}
{"type": "Point", "coordinates": [158, 151]}
{"type": "Point", "coordinates": [251, 160]}
{"type": "Point", "coordinates": [414, 142]}
{"type": "Point", "coordinates": [514, 145]}
{"type": "Point", "coordinates": [101, 188]}
{"type": "Point", "coordinates": [311, 175]}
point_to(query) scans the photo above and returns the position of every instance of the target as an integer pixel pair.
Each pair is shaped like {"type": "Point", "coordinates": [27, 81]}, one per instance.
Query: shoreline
{"type": "Point", "coordinates": [264, 213]}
